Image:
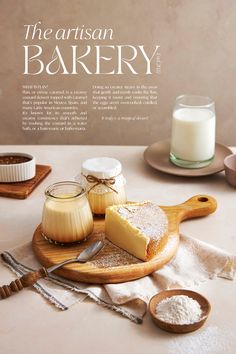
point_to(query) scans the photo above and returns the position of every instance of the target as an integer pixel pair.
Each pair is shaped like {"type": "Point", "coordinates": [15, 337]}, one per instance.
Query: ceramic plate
{"type": "Point", "coordinates": [157, 156]}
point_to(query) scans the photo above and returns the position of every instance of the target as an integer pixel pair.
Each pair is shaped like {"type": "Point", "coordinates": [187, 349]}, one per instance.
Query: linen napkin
{"type": "Point", "coordinates": [194, 262]}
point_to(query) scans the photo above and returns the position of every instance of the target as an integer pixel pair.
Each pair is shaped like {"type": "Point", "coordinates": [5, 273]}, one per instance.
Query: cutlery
{"type": "Point", "coordinates": [32, 277]}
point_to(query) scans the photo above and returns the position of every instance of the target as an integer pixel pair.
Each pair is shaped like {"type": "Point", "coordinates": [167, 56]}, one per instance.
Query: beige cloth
{"type": "Point", "coordinates": [195, 262]}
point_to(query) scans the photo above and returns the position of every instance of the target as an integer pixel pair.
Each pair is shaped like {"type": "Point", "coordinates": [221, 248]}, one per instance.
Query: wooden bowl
{"type": "Point", "coordinates": [179, 328]}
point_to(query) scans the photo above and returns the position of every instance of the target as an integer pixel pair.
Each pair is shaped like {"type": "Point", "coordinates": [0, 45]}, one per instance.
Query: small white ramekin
{"type": "Point", "coordinates": [17, 172]}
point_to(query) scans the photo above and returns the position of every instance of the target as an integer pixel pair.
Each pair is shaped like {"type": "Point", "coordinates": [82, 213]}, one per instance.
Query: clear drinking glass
{"type": "Point", "coordinates": [193, 131]}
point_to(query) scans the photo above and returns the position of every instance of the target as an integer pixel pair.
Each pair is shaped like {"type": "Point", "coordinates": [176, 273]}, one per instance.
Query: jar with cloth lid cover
{"type": "Point", "coordinates": [104, 182]}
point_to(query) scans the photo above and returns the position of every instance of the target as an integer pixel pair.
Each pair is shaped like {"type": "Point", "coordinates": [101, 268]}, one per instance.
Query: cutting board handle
{"type": "Point", "coordinates": [199, 205]}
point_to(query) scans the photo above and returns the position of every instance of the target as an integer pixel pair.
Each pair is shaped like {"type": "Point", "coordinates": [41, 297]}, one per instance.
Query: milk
{"type": "Point", "coordinates": [193, 134]}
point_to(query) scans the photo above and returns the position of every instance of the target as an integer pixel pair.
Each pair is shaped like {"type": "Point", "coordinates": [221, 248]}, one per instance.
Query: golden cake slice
{"type": "Point", "coordinates": [139, 228]}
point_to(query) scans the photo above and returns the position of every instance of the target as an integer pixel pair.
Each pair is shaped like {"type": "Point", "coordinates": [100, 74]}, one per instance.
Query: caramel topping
{"type": "Point", "coordinates": [12, 160]}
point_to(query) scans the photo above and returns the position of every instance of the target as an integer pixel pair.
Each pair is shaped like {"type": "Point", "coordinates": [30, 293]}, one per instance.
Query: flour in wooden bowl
{"type": "Point", "coordinates": [179, 310]}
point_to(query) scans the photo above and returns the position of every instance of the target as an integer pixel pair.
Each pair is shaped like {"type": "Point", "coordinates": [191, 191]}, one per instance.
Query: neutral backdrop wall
{"type": "Point", "coordinates": [198, 54]}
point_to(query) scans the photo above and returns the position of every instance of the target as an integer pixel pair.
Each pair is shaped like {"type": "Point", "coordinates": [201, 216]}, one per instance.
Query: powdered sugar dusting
{"type": "Point", "coordinates": [149, 218]}
{"type": "Point", "coordinates": [210, 340]}
{"type": "Point", "coordinates": [113, 256]}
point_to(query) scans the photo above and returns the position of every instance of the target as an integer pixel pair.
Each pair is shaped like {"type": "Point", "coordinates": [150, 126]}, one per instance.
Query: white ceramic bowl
{"type": "Point", "coordinates": [16, 167]}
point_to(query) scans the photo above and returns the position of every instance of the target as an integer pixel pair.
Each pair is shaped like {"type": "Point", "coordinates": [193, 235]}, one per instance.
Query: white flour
{"type": "Point", "coordinates": [179, 309]}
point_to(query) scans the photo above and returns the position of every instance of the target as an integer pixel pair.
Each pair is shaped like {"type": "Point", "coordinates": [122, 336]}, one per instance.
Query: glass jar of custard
{"type": "Point", "coordinates": [104, 182]}
{"type": "Point", "coordinates": [67, 215]}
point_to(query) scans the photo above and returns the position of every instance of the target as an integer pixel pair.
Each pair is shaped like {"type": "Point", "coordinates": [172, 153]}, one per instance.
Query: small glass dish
{"type": "Point", "coordinates": [67, 216]}
{"type": "Point", "coordinates": [104, 182]}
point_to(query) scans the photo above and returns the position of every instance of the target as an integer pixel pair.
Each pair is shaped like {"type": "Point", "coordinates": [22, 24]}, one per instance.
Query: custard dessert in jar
{"type": "Point", "coordinates": [67, 216]}
{"type": "Point", "coordinates": [104, 182]}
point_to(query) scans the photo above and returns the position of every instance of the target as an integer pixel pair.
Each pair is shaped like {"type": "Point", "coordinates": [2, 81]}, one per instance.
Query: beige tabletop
{"type": "Point", "coordinates": [30, 325]}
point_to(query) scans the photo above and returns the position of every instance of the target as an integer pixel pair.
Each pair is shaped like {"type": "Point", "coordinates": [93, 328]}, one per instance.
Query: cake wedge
{"type": "Point", "coordinates": [141, 229]}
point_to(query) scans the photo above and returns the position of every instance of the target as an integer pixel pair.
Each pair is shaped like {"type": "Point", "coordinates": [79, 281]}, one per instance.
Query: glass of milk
{"type": "Point", "coordinates": [193, 131]}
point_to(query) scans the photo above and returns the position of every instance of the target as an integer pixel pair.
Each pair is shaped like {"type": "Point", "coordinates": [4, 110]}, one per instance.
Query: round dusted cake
{"type": "Point", "coordinates": [139, 228]}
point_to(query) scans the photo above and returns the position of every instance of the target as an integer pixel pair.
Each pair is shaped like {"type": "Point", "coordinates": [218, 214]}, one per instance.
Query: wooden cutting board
{"type": "Point", "coordinates": [21, 190]}
{"type": "Point", "coordinates": [112, 265]}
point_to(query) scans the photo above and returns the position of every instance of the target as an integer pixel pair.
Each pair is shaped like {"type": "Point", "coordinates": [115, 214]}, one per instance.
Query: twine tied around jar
{"type": "Point", "coordinates": [108, 182]}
